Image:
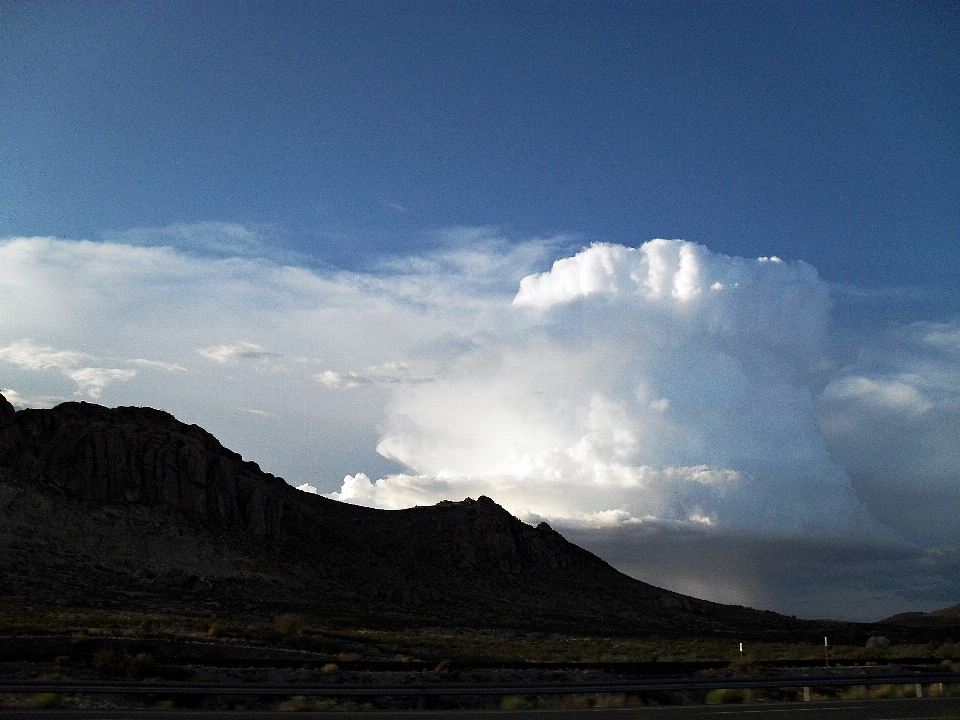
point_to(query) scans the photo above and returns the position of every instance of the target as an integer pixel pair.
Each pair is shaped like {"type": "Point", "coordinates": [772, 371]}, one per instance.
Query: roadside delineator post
{"type": "Point", "coordinates": [806, 693]}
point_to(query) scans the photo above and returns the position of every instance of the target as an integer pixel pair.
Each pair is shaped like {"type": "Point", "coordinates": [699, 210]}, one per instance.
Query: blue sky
{"type": "Point", "coordinates": [828, 132]}
{"type": "Point", "coordinates": [400, 251]}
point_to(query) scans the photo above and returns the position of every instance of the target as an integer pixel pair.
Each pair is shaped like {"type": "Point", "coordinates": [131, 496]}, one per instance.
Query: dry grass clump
{"type": "Point", "coordinates": [288, 624]}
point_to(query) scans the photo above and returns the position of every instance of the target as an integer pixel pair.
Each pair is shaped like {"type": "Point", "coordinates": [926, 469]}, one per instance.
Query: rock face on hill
{"type": "Point", "coordinates": [130, 507]}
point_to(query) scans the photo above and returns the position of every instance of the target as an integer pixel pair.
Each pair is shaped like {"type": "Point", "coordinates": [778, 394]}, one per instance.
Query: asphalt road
{"type": "Point", "coordinates": [329, 689]}
{"type": "Point", "coordinates": [909, 709]}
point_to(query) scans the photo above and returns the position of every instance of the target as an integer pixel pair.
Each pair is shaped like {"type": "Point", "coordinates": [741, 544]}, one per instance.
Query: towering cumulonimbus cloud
{"type": "Point", "coordinates": [676, 411]}
{"type": "Point", "coordinates": [660, 384]}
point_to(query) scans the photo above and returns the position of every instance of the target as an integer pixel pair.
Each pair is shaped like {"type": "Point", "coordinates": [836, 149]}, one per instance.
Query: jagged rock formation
{"type": "Point", "coordinates": [130, 506]}
{"type": "Point", "coordinates": [6, 410]}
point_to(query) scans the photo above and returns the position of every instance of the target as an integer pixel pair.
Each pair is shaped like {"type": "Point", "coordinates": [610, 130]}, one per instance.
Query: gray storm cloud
{"type": "Point", "coordinates": [893, 419]}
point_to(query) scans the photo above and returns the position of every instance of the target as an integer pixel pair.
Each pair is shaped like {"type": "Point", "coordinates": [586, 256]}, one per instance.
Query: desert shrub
{"type": "Point", "coordinates": [288, 624]}
{"type": "Point", "coordinates": [893, 691]}
{"type": "Point", "coordinates": [329, 668]}
{"type": "Point", "coordinates": [609, 701]}
{"type": "Point", "coordinates": [42, 701]}
{"type": "Point", "coordinates": [299, 703]}
{"type": "Point", "coordinates": [515, 702]}
{"type": "Point", "coordinates": [62, 660]}
{"type": "Point", "coordinates": [105, 662]}
{"type": "Point", "coordinates": [137, 667]}
{"type": "Point", "coordinates": [586, 701]}
{"type": "Point", "coordinates": [140, 666]}
{"type": "Point", "coordinates": [878, 641]}
{"type": "Point", "coordinates": [723, 696]}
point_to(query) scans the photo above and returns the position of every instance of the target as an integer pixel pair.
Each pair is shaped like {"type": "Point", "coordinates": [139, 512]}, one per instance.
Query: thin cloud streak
{"type": "Point", "coordinates": [91, 381]}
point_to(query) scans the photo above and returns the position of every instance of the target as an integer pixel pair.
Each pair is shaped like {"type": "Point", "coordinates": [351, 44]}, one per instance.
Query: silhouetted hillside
{"type": "Point", "coordinates": [130, 507]}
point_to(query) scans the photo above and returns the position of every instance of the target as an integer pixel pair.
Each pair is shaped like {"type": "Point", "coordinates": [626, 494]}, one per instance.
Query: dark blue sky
{"type": "Point", "coordinates": [828, 132]}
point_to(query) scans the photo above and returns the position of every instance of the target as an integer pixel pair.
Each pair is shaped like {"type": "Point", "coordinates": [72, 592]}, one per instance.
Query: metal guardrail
{"type": "Point", "coordinates": [455, 688]}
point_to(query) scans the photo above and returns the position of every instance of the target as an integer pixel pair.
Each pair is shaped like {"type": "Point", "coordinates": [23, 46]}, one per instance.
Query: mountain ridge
{"type": "Point", "coordinates": [131, 506]}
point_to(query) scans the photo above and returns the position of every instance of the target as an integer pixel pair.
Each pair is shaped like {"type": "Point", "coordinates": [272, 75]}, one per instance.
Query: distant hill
{"type": "Point", "coordinates": [948, 616]}
{"type": "Point", "coordinates": [948, 612]}
{"type": "Point", "coordinates": [128, 507]}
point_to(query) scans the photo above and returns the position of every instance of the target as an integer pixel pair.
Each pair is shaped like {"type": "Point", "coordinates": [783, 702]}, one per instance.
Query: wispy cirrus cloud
{"type": "Point", "coordinates": [389, 373]}
{"type": "Point", "coordinates": [31, 356]}
{"type": "Point", "coordinates": [217, 239]}
{"type": "Point", "coordinates": [261, 413]}
{"type": "Point", "coordinates": [90, 381]}
{"type": "Point", "coordinates": [243, 350]}
{"type": "Point", "coordinates": [171, 367]}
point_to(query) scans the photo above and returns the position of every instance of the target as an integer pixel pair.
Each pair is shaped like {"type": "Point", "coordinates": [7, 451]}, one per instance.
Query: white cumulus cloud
{"type": "Point", "coordinates": [633, 394]}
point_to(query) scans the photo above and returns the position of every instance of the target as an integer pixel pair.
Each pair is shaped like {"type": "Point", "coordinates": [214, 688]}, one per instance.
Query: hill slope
{"type": "Point", "coordinates": [130, 507]}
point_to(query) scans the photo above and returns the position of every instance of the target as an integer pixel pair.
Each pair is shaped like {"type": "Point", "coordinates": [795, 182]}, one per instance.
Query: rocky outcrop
{"type": "Point", "coordinates": [7, 411]}
{"type": "Point", "coordinates": [130, 507]}
{"type": "Point", "coordinates": [143, 457]}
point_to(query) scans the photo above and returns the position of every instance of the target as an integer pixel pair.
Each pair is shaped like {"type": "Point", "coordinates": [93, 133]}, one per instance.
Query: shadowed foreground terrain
{"type": "Point", "coordinates": [130, 508]}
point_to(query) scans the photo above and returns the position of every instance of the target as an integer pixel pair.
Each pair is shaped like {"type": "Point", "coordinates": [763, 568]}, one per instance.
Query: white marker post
{"type": "Point", "coordinates": [741, 652]}
{"type": "Point", "coordinates": [826, 652]}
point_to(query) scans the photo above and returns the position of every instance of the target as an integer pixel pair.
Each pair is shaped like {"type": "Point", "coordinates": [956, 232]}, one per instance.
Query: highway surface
{"type": "Point", "coordinates": [909, 709]}
{"type": "Point", "coordinates": [332, 689]}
